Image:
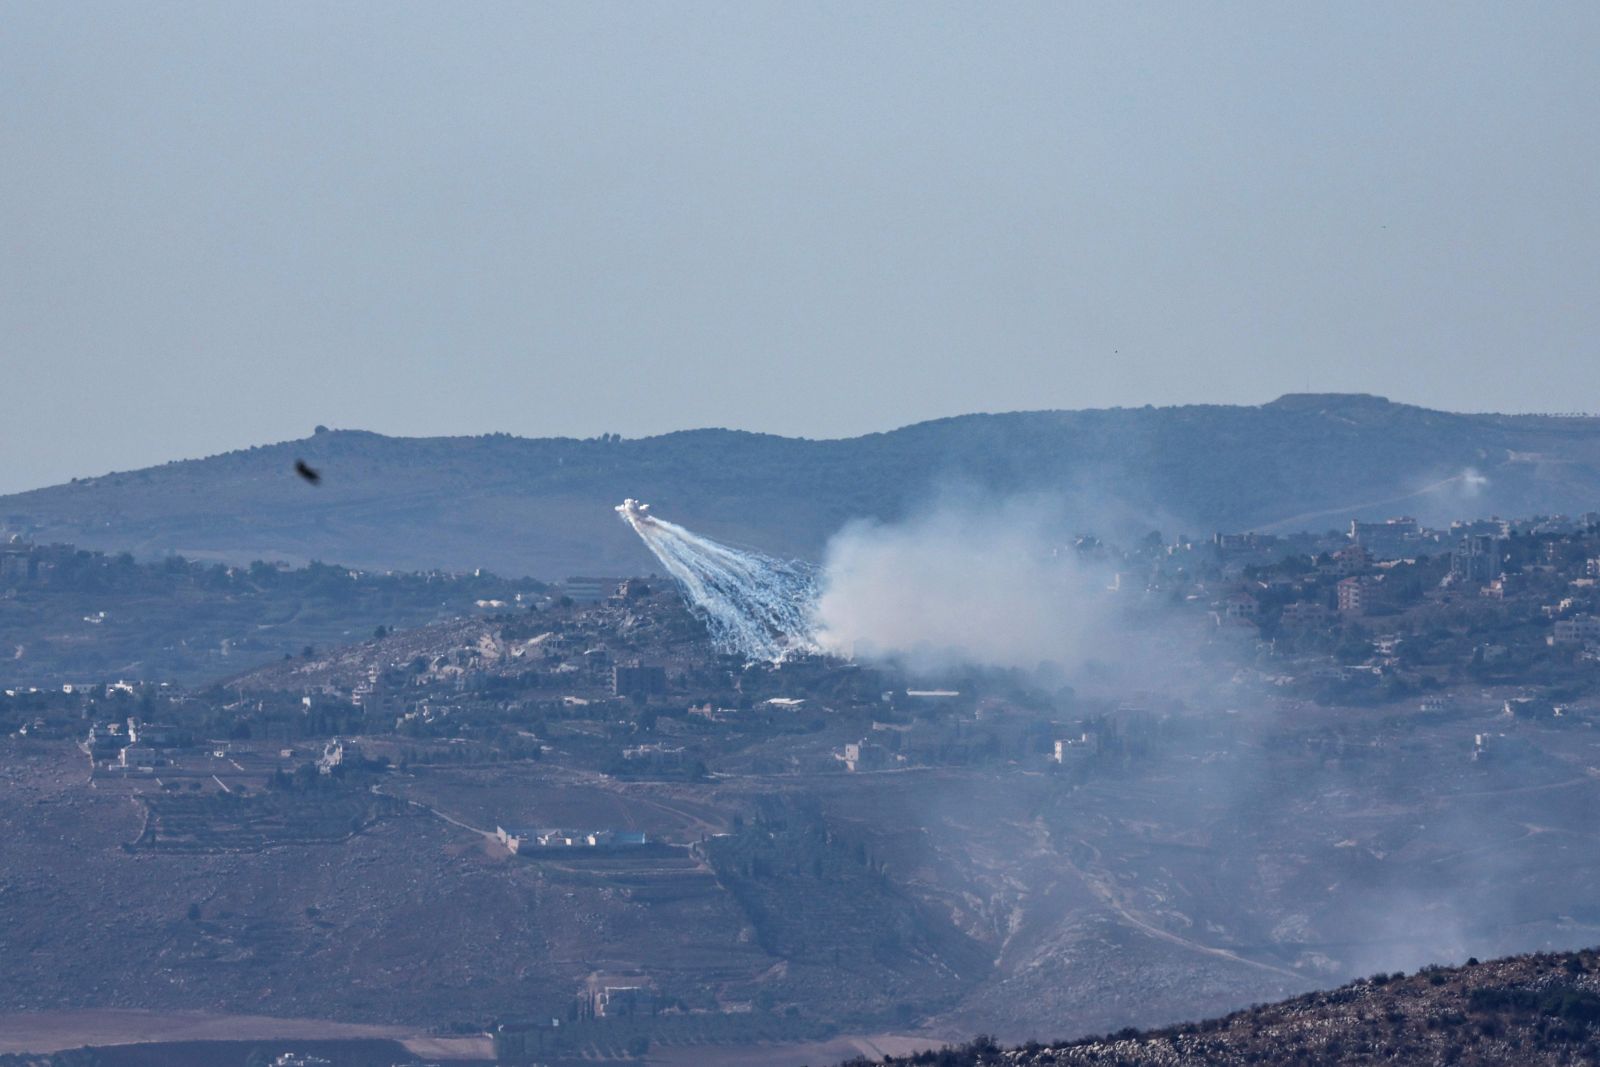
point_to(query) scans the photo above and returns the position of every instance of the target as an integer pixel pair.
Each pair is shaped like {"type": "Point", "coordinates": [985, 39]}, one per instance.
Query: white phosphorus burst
{"type": "Point", "coordinates": [755, 606]}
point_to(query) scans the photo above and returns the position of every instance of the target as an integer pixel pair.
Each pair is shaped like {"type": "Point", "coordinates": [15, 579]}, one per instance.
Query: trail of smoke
{"type": "Point", "coordinates": [755, 606]}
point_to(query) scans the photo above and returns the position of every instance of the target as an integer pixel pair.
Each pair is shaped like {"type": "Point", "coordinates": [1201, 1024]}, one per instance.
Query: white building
{"type": "Point", "coordinates": [1578, 630]}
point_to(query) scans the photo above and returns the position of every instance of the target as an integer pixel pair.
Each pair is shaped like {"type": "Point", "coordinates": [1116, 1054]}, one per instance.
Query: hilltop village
{"type": "Point", "coordinates": [613, 837]}
{"type": "Point", "coordinates": [1515, 583]}
{"type": "Point", "coordinates": [620, 671]}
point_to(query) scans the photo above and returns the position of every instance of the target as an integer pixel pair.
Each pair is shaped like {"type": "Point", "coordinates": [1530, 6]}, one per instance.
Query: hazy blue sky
{"type": "Point", "coordinates": [223, 224]}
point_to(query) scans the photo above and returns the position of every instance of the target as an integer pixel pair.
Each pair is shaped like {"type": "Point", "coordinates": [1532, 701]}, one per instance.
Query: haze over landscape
{"type": "Point", "coordinates": [731, 535]}
{"type": "Point", "coordinates": [225, 227]}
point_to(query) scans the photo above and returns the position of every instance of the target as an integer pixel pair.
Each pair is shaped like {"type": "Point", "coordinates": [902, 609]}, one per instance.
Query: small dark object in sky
{"type": "Point", "coordinates": [308, 473]}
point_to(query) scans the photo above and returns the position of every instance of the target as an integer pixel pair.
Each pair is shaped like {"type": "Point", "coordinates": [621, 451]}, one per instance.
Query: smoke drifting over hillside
{"type": "Point", "coordinates": [993, 585]}
{"type": "Point", "coordinates": [968, 583]}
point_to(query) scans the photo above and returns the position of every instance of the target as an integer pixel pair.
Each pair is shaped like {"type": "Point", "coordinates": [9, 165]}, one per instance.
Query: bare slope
{"type": "Point", "coordinates": [542, 506]}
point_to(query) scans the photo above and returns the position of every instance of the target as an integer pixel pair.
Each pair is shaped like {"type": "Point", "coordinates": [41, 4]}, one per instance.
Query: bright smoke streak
{"type": "Point", "coordinates": [754, 605]}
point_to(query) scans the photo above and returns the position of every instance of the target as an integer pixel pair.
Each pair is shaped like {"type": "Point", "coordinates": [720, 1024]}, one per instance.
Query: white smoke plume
{"type": "Point", "coordinates": [971, 583]}
{"type": "Point", "coordinates": [754, 605]}
{"type": "Point", "coordinates": [994, 584]}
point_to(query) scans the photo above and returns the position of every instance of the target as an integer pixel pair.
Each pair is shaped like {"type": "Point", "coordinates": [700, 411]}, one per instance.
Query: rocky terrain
{"type": "Point", "coordinates": [1530, 1010]}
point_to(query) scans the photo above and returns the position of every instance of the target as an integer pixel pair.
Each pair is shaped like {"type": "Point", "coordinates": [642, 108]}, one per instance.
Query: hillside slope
{"type": "Point", "coordinates": [542, 507]}
{"type": "Point", "coordinates": [1528, 1010]}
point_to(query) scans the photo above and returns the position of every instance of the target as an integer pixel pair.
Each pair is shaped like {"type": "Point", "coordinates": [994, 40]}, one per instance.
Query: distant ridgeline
{"type": "Point", "coordinates": [543, 506]}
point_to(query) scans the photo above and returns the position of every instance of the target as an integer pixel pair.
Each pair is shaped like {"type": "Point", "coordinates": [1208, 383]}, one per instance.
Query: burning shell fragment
{"type": "Point", "coordinates": [754, 605]}
{"type": "Point", "coordinates": [634, 511]}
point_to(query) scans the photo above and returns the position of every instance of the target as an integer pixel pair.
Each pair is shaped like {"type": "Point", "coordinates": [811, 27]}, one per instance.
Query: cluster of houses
{"type": "Point", "coordinates": [1494, 557]}
{"type": "Point", "coordinates": [521, 840]}
{"type": "Point", "coordinates": [134, 744]}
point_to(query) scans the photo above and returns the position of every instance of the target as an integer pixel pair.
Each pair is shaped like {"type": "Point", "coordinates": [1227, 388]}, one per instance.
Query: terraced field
{"type": "Point", "coordinates": [229, 822]}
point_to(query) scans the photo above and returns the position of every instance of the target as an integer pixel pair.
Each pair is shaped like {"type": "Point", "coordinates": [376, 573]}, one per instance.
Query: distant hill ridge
{"type": "Point", "coordinates": [542, 506]}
